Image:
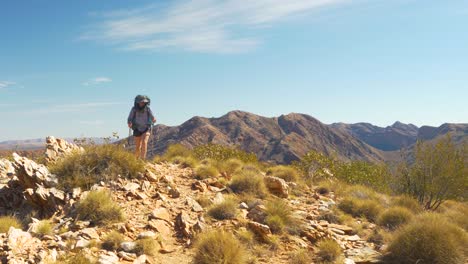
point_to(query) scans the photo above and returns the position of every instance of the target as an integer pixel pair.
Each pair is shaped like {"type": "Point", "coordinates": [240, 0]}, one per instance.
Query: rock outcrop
{"type": "Point", "coordinates": [57, 148]}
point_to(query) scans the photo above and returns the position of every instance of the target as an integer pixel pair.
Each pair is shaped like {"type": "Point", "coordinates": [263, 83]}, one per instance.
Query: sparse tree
{"type": "Point", "coordinates": [438, 173]}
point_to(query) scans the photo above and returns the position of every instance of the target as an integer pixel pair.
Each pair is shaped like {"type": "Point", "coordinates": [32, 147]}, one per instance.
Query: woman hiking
{"type": "Point", "coordinates": [140, 120]}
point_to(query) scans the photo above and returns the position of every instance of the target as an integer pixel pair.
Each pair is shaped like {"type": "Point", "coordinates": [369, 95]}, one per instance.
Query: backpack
{"type": "Point", "coordinates": [140, 98]}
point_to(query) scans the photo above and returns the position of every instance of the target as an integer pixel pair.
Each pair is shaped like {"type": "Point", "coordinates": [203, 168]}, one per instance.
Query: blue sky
{"type": "Point", "coordinates": [72, 68]}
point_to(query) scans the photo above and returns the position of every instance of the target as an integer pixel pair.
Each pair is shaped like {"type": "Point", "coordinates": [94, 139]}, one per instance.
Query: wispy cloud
{"type": "Point", "coordinates": [5, 84]}
{"type": "Point", "coordinates": [69, 108]}
{"type": "Point", "coordinates": [97, 80]}
{"type": "Point", "coordinates": [198, 25]}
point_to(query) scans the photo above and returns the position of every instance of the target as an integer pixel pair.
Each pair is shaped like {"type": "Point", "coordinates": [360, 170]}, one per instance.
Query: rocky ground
{"type": "Point", "coordinates": [161, 203]}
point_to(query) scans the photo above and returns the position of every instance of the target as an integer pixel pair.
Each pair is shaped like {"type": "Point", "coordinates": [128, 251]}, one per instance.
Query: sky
{"type": "Point", "coordinates": [73, 68]}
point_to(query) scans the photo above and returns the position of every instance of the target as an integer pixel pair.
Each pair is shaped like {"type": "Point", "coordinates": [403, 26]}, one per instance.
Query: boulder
{"type": "Point", "coordinates": [277, 186]}
{"type": "Point", "coordinates": [259, 229]}
{"type": "Point", "coordinates": [38, 185]}
{"type": "Point", "coordinates": [30, 174]}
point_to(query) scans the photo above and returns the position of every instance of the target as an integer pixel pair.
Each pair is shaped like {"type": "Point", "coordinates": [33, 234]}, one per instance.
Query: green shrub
{"type": "Point", "coordinates": [225, 210]}
{"type": "Point", "coordinates": [177, 150]}
{"type": "Point", "coordinates": [230, 166]}
{"type": "Point", "coordinates": [206, 171]}
{"type": "Point", "coordinates": [394, 217]}
{"type": "Point", "coordinates": [247, 182]}
{"type": "Point", "coordinates": [9, 221]}
{"type": "Point", "coordinates": [369, 209]}
{"type": "Point", "coordinates": [312, 164]}
{"type": "Point", "coordinates": [147, 246]}
{"type": "Point", "coordinates": [430, 238]}
{"type": "Point", "coordinates": [112, 241]}
{"type": "Point", "coordinates": [223, 153]}
{"type": "Point", "coordinates": [302, 256]}
{"type": "Point", "coordinates": [219, 247]}
{"type": "Point", "coordinates": [438, 172]}
{"type": "Point", "coordinates": [99, 208]}
{"type": "Point", "coordinates": [45, 227]}
{"type": "Point", "coordinates": [95, 164]}
{"type": "Point", "coordinates": [289, 174]}
{"type": "Point", "coordinates": [376, 176]}
{"type": "Point", "coordinates": [279, 215]}
{"type": "Point", "coordinates": [407, 202]}
{"type": "Point", "coordinates": [328, 250]}
{"type": "Point", "coordinates": [184, 162]}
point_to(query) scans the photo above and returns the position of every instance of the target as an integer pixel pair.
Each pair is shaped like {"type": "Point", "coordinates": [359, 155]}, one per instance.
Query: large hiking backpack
{"type": "Point", "coordinates": [139, 98]}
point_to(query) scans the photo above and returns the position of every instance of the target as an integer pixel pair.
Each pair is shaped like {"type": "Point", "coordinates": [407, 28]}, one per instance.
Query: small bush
{"type": "Point", "coordinates": [112, 241]}
{"type": "Point", "coordinates": [45, 227]}
{"type": "Point", "coordinates": [177, 150]}
{"type": "Point", "coordinates": [328, 250]}
{"type": "Point", "coordinates": [230, 166]}
{"type": "Point", "coordinates": [147, 246]}
{"type": "Point", "coordinates": [9, 221]}
{"type": "Point", "coordinates": [430, 238]}
{"type": "Point", "coordinates": [301, 257]}
{"type": "Point", "coordinates": [185, 162]}
{"type": "Point", "coordinates": [394, 217]}
{"type": "Point", "coordinates": [279, 216]}
{"type": "Point", "coordinates": [206, 171]}
{"type": "Point", "coordinates": [219, 247]}
{"type": "Point", "coordinates": [369, 209]}
{"type": "Point", "coordinates": [224, 210]}
{"type": "Point", "coordinates": [407, 202]}
{"type": "Point", "coordinates": [286, 173]}
{"type": "Point", "coordinates": [99, 208]}
{"type": "Point", "coordinates": [249, 183]}
{"type": "Point", "coordinates": [95, 164]}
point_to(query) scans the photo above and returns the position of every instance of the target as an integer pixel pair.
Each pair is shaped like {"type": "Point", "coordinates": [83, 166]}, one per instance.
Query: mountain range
{"type": "Point", "coordinates": [288, 137]}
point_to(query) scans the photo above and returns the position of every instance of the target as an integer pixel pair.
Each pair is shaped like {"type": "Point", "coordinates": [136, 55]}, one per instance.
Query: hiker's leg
{"type": "Point", "coordinates": [137, 146]}
{"type": "Point", "coordinates": [144, 144]}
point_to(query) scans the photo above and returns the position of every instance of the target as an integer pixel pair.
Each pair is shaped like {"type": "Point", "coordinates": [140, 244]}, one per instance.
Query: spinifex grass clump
{"type": "Point", "coordinates": [328, 250]}
{"type": "Point", "coordinates": [279, 216]}
{"type": "Point", "coordinates": [219, 247]}
{"type": "Point", "coordinates": [224, 210]}
{"type": "Point", "coordinates": [394, 217]}
{"type": "Point", "coordinates": [112, 241]}
{"type": "Point", "coordinates": [99, 208]}
{"type": "Point", "coordinates": [286, 173]}
{"type": "Point", "coordinates": [8, 221]}
{"type": "Point", "coordinates": [206, 171]}
{"type": "Point", "coordinates": [429, 238]}
{"type": "Point", "coordinates": [95, 164]}
{"type": "Point", "coordinates": [248, 182]}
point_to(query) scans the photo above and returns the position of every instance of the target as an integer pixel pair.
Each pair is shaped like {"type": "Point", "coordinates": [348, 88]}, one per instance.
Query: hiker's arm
{"type": "Point", "coordinates": [130, 117]}
{"type": "Point", "coordinates": [153, 119]}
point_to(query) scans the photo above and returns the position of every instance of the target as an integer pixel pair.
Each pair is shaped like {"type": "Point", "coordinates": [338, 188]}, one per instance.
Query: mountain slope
{"type": "Point", "coordinates": [399, 135]}
{"type": "Point", "coordinates": [388, 138]}
{"type": "Point", "coordinates": [280, 139]}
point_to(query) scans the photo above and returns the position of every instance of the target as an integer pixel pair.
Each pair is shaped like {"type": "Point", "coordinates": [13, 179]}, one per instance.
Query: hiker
{"type": "Point", "coordinates": [140, 120]}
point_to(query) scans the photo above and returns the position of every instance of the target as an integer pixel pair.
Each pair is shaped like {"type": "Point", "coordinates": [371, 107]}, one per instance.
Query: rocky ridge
{"type": "Point", "coordinates": [161, 203]}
